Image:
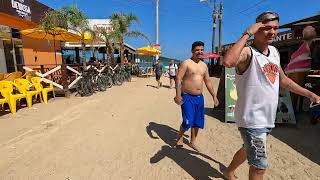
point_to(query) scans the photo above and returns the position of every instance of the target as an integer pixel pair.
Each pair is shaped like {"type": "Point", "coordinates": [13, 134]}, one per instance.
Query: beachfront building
{"type": "Point", "coordinates": [17, 50]}
{"type": "Point", "coordinates": [72, 50]}
{"type": "Point", "coordinates": [290, 39]}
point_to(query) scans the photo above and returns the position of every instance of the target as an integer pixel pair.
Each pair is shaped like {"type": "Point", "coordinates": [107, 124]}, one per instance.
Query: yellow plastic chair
{"type": "Point", "coordinates": [13, 98]}
{"type": "Point", "coordinates": [2, 75]}
{"type": "Point", "coordinates": [149, 72]}
{"type": "Point", "coordinates": [13, 76]}
{"type": "Point", "coordinates": [5, 98]}
{"type": "Point", "coordinates": [28, 75]}
{"type": "Point", "coordinates": [23, 86]}
{"type": "Point", "coordinates": [44, 90]}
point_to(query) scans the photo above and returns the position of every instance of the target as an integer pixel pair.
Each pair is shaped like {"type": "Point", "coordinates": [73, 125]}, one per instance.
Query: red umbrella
{"type": "Point", "coordinates": [210, 55]}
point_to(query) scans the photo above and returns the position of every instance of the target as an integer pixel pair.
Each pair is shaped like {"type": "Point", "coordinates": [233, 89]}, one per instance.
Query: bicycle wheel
{"type": "Point", "coordinates": [117, 80]}
{"type": "Point", "coordinates": [81, 87]}
{"type": "Point", "coordinates": [102, 83]}
{"type": "Point", "coordinates": [128, 77]}
{"type": "Point", "coordinates": [109, 82]}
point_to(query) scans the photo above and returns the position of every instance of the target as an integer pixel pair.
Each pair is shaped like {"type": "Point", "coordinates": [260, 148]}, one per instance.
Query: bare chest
{"type": "Point", "coordinates": [196, 70]}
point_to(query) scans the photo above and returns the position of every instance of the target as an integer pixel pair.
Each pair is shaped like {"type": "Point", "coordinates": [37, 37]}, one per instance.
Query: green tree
{"type": "Point", "coordinates": [111, 39]}
{"type": "Point", "coordinates": [53, 19]}
{"type": "Point", "coordinates": [121, 24]}
{"type": "Point", "coordinates": [77, 22]}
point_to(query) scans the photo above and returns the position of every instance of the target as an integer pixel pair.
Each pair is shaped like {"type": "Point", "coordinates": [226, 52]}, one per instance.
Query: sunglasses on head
{"type": "Point", "coordinates": [267, 16]}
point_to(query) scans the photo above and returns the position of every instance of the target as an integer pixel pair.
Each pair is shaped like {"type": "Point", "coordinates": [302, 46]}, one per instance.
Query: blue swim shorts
{"type": "Point", "coordinates": [192, 111]}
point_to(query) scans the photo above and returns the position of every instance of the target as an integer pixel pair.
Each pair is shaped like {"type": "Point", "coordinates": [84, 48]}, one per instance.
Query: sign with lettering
{"type": "Point", "coordinates": [282, 36]}
{"type": "Point", "coordinates": [21, 8]}
{"type": "Point", "coordinates": [230, 94]}
{"type": "Point", "coordinates": [100, 24]}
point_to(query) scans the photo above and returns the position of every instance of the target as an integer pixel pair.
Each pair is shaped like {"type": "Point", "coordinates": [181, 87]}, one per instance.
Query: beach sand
{"type": "Point", "coordinates": [127, 133]}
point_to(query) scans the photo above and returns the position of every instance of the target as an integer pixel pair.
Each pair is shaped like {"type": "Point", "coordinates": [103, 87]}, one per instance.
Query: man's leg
{"type": "Point", "coordinates": [237, 160]}
{"type": "Point", "coordinates": [194, 134]}
{"type": "Point", "coordinates": [158, 81]}
{"type": "Point", "coordinates": [171, 83]}
{"type": "Point", "coordinates": [255, 173]}
{"type": "Point", "coordinates": [180, 137]}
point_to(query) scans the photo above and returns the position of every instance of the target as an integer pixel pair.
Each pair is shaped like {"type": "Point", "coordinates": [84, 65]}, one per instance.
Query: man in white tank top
{"type": "Point", "coordinates": [259, 76]}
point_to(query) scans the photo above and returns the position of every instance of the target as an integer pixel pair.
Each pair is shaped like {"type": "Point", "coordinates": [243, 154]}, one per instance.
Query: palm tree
{"type": "Point", "coordinates": [95, 37]}
{"type": "Point", "coordinates": [50, 21]}
{"type": "Point", "coordinates": [121, 24]}
{"type": "Point", "coordinates": [53, 19]}
{"type": "Point", "coordinates": [77, 21]}
{"type": "Point", "coordinates": [111, 39]}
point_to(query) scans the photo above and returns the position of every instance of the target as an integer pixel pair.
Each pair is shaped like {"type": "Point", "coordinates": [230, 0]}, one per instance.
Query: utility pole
{"type": "Point", "coordinates": [220, 27]}
{"type": "Point", "coordinates": [157, 26]}
{"type": "Point", "coordinates": [214, 25]}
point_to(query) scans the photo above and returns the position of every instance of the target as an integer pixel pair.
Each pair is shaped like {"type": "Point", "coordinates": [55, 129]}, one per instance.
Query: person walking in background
{"type": "Point", "coordinates": [158, 70]}
{"type": "Point", "coordinates": [173, 70]}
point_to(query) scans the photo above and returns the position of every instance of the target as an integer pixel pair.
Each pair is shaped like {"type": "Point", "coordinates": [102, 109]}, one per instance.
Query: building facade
{"type": "Point", "coordinates": [17, 50]}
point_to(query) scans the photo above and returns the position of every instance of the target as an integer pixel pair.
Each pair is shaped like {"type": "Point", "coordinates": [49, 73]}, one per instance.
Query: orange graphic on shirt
{"type": "Point", "coordinates": [271, 71]}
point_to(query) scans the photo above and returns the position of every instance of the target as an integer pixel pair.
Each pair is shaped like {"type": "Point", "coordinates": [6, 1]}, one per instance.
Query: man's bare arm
{"type": "Point", "coordinates": [291, 86]}
{"type": "Point", "coordinates": [181, 72]}
{"type": "Point", "coordinates": [208, 83]}
{"type": "Point", "coordinates": [236, 53]}
{"type": "Point", "coordinates": [233, 55]}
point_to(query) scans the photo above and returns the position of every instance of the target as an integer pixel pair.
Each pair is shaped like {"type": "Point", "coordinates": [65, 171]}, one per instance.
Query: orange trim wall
{"type": "Point", "coordinates": [15, 22]}
{"type": "Point", "coordinates": [37, 52]}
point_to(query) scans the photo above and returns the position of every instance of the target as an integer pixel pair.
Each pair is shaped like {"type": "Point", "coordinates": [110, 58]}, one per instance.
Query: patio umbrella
{"type": "Point", "coordinates": [55, 34]}
{"type": "Point", "coordinates": [210, 55]}
{"type": "Point", "coordinates": [148, 50]}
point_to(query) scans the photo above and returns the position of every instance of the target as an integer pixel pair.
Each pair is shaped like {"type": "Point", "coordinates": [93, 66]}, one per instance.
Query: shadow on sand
{"type": "Point", "coordinates": [216, 113]}
{"type": "Point", "coordinates": [186, 159]}
{"type": "Point", "coordinates": [304, 138]}
{"type": "Point", "coordinates": [163, 86]}
{"type": "Point", "coordinates": [166, 133]}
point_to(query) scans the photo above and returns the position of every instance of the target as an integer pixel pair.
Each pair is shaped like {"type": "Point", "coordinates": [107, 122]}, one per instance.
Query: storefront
{"type": "Point", "coordinates": [289, 40]}
{"type": "Point", "coordinates": [17, 50]}
{"type": "Point", "coordinates": [72, 51]}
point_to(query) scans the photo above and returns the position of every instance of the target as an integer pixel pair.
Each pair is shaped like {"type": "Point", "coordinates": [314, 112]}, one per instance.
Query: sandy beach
{"type": "Point", "coordinates": [127, 133]}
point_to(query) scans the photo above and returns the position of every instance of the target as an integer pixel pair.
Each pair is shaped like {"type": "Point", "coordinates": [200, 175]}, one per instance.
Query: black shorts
{"type": "Point", "coordinates": [158, 76]}
{"type": "Point", "coordinates": [172, 77]}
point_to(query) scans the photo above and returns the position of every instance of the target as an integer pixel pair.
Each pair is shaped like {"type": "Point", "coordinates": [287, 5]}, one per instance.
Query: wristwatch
{"type": "Point", "coordinates": [247, 33]}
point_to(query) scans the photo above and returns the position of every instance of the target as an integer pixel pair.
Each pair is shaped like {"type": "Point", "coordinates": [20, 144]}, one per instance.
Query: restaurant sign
{"type": "Point", "coordinates": [100, 24]}
{"type": "Point", "coordinates": [21, 8]}
{"type": "Point", "coordinates": [281, 37]}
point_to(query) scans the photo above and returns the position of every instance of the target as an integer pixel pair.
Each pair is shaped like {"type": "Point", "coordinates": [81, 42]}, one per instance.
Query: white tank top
{"type": "Point", "coordinates": [258, 91]}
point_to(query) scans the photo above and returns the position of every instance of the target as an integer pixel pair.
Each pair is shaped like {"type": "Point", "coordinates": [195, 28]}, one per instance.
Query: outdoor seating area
{"type": "Point", "coordinates": [22, 88]}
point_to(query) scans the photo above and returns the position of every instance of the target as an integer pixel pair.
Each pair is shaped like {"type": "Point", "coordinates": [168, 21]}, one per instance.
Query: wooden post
{"type": "Point", "coordinates": [42, 69]}
{"type": "Point", "coordinates": [65, 80]}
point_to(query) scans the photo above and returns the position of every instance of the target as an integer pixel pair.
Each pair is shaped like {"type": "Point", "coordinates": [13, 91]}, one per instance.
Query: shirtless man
{"type": "Point", "coordinates": [189, 85]}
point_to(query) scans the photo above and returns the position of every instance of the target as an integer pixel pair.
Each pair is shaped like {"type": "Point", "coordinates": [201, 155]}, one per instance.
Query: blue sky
{"type": "Point", "coordinates": [184, 21]}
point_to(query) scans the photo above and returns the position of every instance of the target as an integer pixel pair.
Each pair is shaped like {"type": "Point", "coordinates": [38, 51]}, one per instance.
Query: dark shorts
{"type": "Point", "coordinates": [158, 76]}
{"type": "Point", "coordinates": [192, 111]}
{"type": "Point", "coordinates": [172, 77]}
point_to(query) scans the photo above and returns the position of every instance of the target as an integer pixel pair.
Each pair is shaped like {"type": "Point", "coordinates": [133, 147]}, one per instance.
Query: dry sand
{"type": "Point", "coordinates": [126, 133]}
